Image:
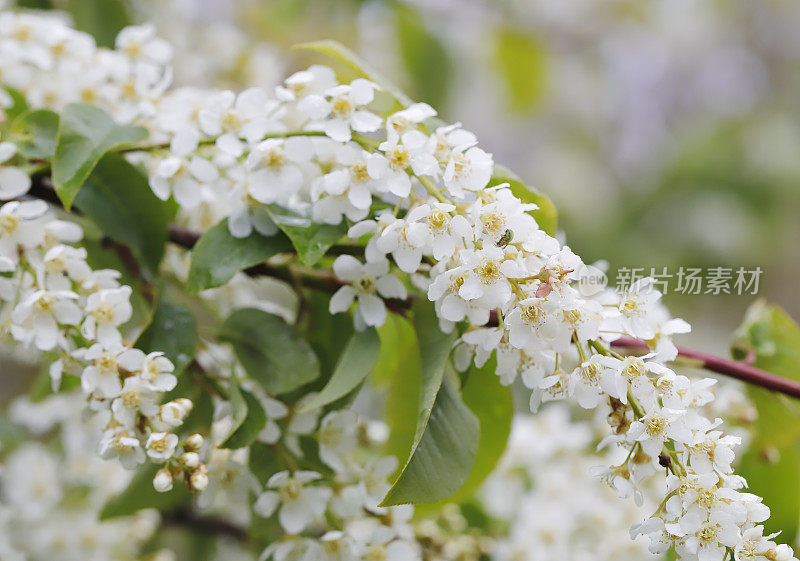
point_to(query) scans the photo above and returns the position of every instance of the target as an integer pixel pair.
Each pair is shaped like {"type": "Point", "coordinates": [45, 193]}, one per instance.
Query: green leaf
{"type": "Point", "coordinates": [34, 133]}
{"type": "Point", "coordinates": [776, 479]}
{"type": "Point", "coordinates": [246, 426]}
{"type": "Point", "coordinates": [172, 331]}
{"type": "Point", "coordinates": [773, 336]}
{"type": "Point", "coordinates": [772, 463]}
{"type": "Point", "coordinates": [85, 133]}
{"type": "Point", "coordinates": [442, 459]}
{"type": "Point", "coordinates": [310, 239]}
{"type": "Point", "coordinates": [434, 350]}
{"type": "Point", "coordinates": [521, 60]}
{"type": "Point", "coordinates": [103, 19]}
{"type": "Point", "coordinates": [359, 357]}
{"type": "Point", "coordinates": [264, 461]}
{"type": "Point", "coordinates": [19, 104]}
{"type": "Point", "coordinates": [140, 494]}
{"type": "Point", "coordinates": [352, 61]}
{"type": "Point", "coordinates": [100, 255]}
{"type": "Point", "coordinates": [218, 255]}
{"type": "Point", "coordinates": [446, 436]}
{"type": "Point", "coordinates": [118, 199]}
{"type": "Point", "coordinates": [328, 334]}
{"type": "Point", "coordinates": [492, 403]}
{"type": "Point", "coordinates": [271, 351]}
{"type": "Point", "coordinates": [424, 55]}
{"type": "Point", "coordinates": [546, 215]}
{"type": "Point", "coordinates": [399, 369]}
{"type": "Point", "coordinates": [35, 4]}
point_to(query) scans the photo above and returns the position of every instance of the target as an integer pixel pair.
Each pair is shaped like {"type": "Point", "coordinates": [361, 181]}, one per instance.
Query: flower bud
{"type": "Point", "coordinates": [193, 443]}
{"type": "Point", "coordinates": [185, 404]}
{"type": "Point", "coordinates": [162, 482]}
{"type": "Point", "coordinates": [190, 460]}
{"type": "Point", "coordinates": [198, 481]}
{"type": "Point", "coordinates": [173, 413]}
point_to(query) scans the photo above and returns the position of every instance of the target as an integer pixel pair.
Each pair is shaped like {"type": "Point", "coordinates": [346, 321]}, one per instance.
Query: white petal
{"type": "Point", "coordinates": [372, 309]}
{"type": "Point", "coordinates": [342, 300]}
{"type": "Point", "coordinates": [347, 268]}
{"type": "Point", "coordinates": [390, 286]}
{"type": "Point", "coordinates": [13, 183]}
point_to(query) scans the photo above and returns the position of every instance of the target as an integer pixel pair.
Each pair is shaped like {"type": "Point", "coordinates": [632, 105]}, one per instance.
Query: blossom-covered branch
{"type": "Point", "coordinates": [435, 217]}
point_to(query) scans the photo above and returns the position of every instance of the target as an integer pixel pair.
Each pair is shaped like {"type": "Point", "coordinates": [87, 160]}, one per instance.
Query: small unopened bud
{"type": "Point", "coordinates": [173, 413]}
{"type": "Point", "coordinates": [198, 481]}
{"type": "Point", "coordinates": [193, 443]}
{"type": "Point", "coordinates": [162, 482]}
{"type": "Point", "coordinates": [185, 404]}
{"type": "Point", "coordinates": [190, 460]}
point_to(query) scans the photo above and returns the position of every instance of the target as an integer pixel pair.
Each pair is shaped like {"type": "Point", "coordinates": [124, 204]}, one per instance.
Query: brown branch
{"type": "Point", "coordinates": [741, 370]}
{"type": "Point", "coordinates": [185, 517]}
{"type": "Point", "coordinates": [315, 279]}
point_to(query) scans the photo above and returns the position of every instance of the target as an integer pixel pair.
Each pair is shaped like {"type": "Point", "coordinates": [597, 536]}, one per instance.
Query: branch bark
{"type": "Point", "coordinates": [735, 369]}
{"type": "Point", "coordinates": [185, 517]}
{"type": "Point", "coordinates": [327, 282]}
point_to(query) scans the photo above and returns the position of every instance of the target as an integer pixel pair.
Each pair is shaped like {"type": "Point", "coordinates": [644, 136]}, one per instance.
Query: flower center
{"type": "Point", "coordinates": [129, 90]}
{"type": "Point", "coordinates": [330, 436]}
{"type": "Point", "coordinates": [494, 223]}
{"type": "Point", "coordinates": [358, 173]}
{"type": "Point", "coordinates": [342, 107]}
{"type": "Point", "coordinates": [456, 283]}
{"type": "Point", "coordinates": [590, 374]}
{"type": "Point", "coordinates": [231, 121]}
{"type": "Point", "coordinates": [655, 425]}
{"type": "Point", "coordinates": [151, 370]}
{"type": "Point", "coordinates": [460, 165]}
{"type": "Point", "coordinates": [376, 553]}
{"type": "Point", "coordinates": [532, 314]}
{"type": "Point", "coordinates": [9, 223]}
{"type": "Point", "coordinates": [133, 50]}
{"type": "Point", "coordinates": [634, 368]}
{"type": "Point", "coordinates": [104, 312]}
{"type": "Point", "coordinates": [22, 33]}
{"type": "Point", "coordinates": [439, 221]}
{"type": "Point", "coordinates": [161, 445]}
{"type": "Point", "coordinates": [44, 303]}
{"type": "Point", "coordinates": [400, 124]}
{"type": "Point", "coordinates": [365, 285]}
{"type": "Point", "coordinates": [106, 362]}
{"type": "Point", "coordinates": [274, 158]}
{"type": "Point", "coordinates": [118, 445]}
{"type": "Point", "coordinates": [88, 95]}
{"type": "Point", "coordinates": [290, 490]}
{"type": "Point", "coordinates": [706, 497]}
{"type": "Point", "coordinates": [489, 272]}
{"type": "Point", "coordinates": [398, 158]}
{"type": "Point", "coordinates": [630, 307]}
{"type": "Point", "coordinates": [573, 317]}
{"type": "Point", "coordinates": [708, 533]}
{"type": "Point", "coordinates": [131, 399]}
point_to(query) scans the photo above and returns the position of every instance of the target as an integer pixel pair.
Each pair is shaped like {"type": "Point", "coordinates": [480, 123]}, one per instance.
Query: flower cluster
{"type": "Point", "coordinates": [329, 512]}
{"type": "Point", "coordinates": [54, 302]}
{"type": "Point", "coordinates": [51, 494]}
{"type": "Point", "coordinates": [421, 197]}
{"type": "Point", "coordinates": [552, 509]}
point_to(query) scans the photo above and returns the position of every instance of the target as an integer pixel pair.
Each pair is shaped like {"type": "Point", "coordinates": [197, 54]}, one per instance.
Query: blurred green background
{"type": "Point", "coordinates": [667, 132]}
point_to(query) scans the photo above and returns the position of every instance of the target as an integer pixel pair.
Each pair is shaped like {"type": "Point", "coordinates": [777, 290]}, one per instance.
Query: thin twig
{"type": "Point", "coordinates": [740, 370]}
{"type": "Point", "coordinates": [185, 517]}
{"type": "Point", "coordinates": [327, 282]}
